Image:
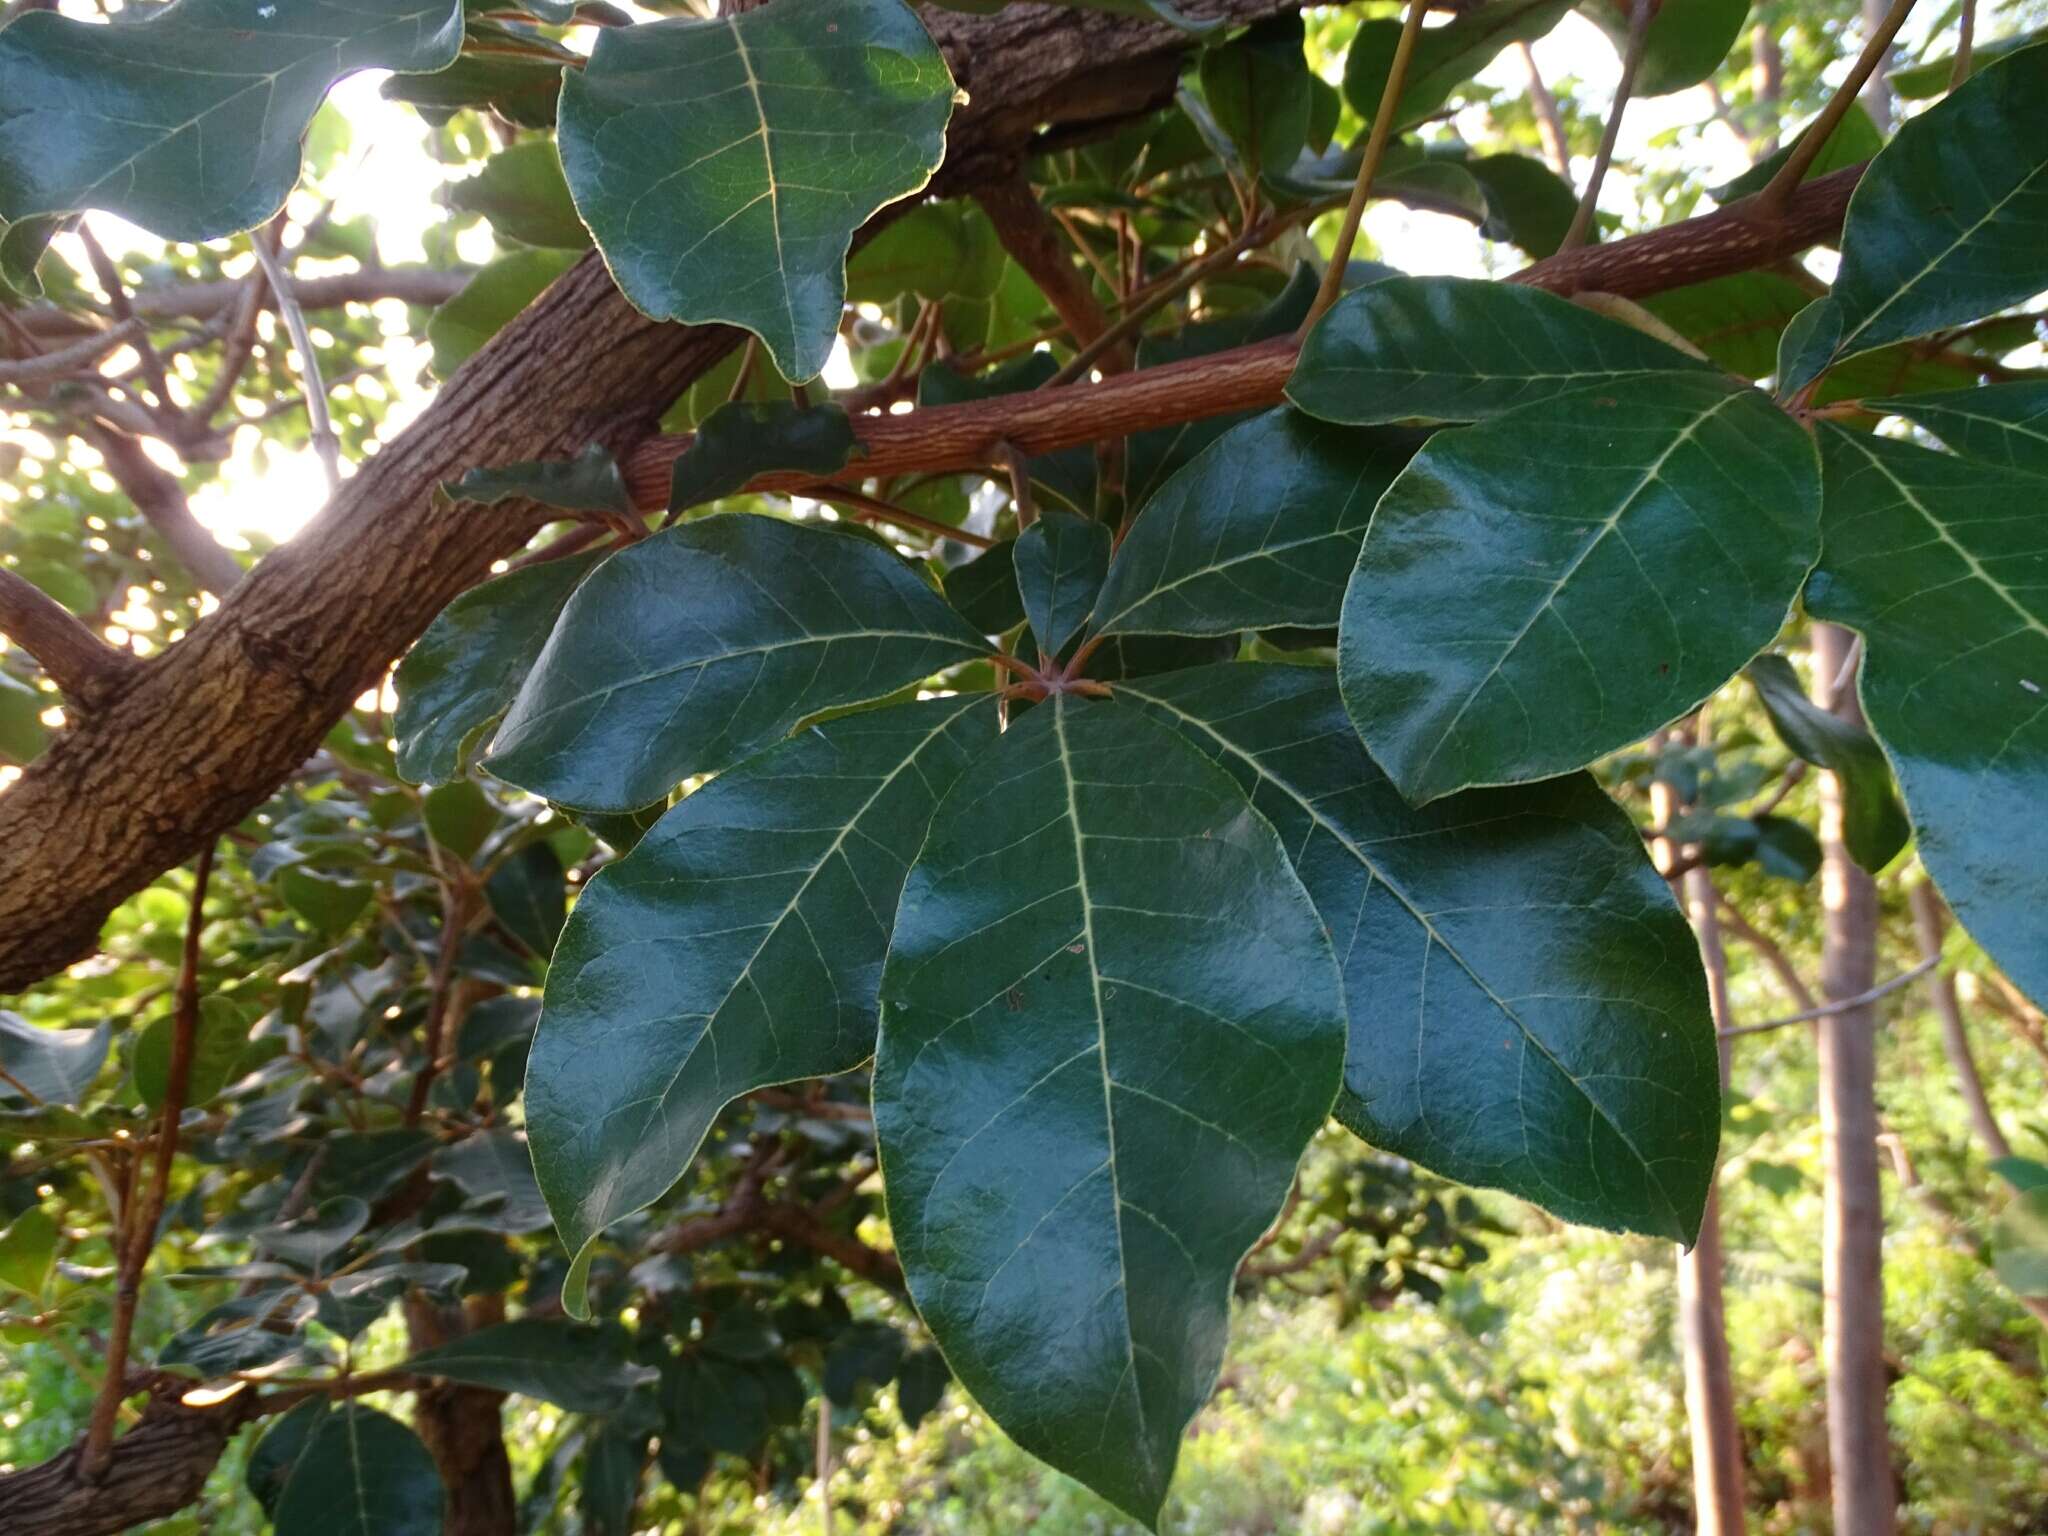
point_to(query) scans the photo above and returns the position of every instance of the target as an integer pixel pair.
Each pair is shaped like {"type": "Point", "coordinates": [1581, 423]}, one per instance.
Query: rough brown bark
{"type": "Point", "coordinates": [205, 301]}
{"type": "Point", "coordinates": [462, 1427]}
{"type": "Point", "coordinates": [158, 1468]}
{"type": "Point", "coordinates": [1852, 1239]}
{"type": "Point", "coordinates": [225, 715]}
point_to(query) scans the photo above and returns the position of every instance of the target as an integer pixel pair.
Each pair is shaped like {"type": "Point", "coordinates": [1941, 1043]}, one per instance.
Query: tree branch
{"type": "Point", "coordinates": [205, 301]}
{"type": "Point", "coordinates": [88, 670]}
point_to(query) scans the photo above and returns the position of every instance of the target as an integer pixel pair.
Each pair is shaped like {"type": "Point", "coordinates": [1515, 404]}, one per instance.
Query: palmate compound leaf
{"type": "Point", "coordinates": [462, 674]}
{"type": "Point", "coordinates": [1937, 562]}
{"type": "Point", "coordinates": [1527, 1007]}
{"type": "Point", "coordinates": [1453, 349]}
{"type": "Point", "coordinates": [723, 165]}
{"type": "Point", "coordinates": [189, 121]}
{"type": "Point", "coordinates": [1110, 1023]}
{"type": "Point", "coordinates": [1560, 581]}
{"type": "Point", "coordinates": [699, 646]}
{"type": "Point", "coordinates": [1949, 223]}
{"type": "Point", "coordinates": [740, 944]}
{"type": "Point", "coordinates": [2004, 424]}
{"type": "Point", "coordinates": [1260, 529]}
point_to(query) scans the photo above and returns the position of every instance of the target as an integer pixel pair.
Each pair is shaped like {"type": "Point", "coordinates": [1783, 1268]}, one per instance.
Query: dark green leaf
{"type": "Point", "coordinates": [188, 121]}
{"type": "Point", "coordinates": [459, 816]}
{"type": "Point", "coordinates": [557, 1362]}
{"type": "Point", "coordinates": [590, 482]}
{"type": "Point", "coordinates": [462, 674]}
{"type": "Point", "coordinates": [614, 1462]}
{"type": "Point", "coordinates": [1560, 581]}
{"type": "Point", "coordinates": [739, 945]}
{"type": "Point", "coordinates": [984, 590]}
{"type": "Point", "coordinates": [1257, 88]}
{"type": "Point", "coordinates": [942, 250]}
{"type": "Point", "coordinates": [1103, 975]}
{"type": "Point", "coordinates": [921, 1381]}
{"type": "Point", "coordinates": [1786, 849]}
{"type": "Point", "coordinates": [861, 1359]}
{"type": "Point", "coordinates": [275, 1457]}
{"type": "Point", "coordinates": [1261, 528]}
{"type": "Point", "coordinates": [739, 441]}
{"type": "Point", "coordinates": [529, 894]}
{"type": "Point", "coordinates": [372, 1163]}
{"type": "Point", "coordinates": [522, 91]}
{"type": "Point", "coordinates": [723, 165]}
{"type": "Point", "coordinates": [1060, 562]}
{"type": "Point", "coordinates": [1527, 1007]}
{"type": "Point", "coordinates": [310, 1240]}
{"type": "Point", "coordinates": [1922, 82]}
{"type": "Point", "coordinates": [495, 1168]}
{"type": "Point", "coordinates": [701, 645]}
{"type": "Point", "coordinates": [1445, 57]}
{"type": "Point", "coordinates": [521, 191]}
{"type": "Point", "coordinates": [361, 1474]}
{"type": "Point", "coordinates": [219, 1041]}
{"type": "Point", "coordinates": [1854, 139]}
{"type": "Point", "coordinates": [489, 302]}
{"type": "Point", "coordinates": [2002, 424]}
{"type": "Point", "coordinates": [56, 1066]}
{"type": "Point", "coordinates": [1685, 44]}
{"type": "Point", "coordinates": [1874, 826]}
{"type": "Point", "coordinates": [1936, 561]}
{"type": "Point", "coordinates": [1949, 223]}
{"type": "Point", "coordinates": [1455, 349]}
{"type": "Point", "coordinates": [1527, 202]}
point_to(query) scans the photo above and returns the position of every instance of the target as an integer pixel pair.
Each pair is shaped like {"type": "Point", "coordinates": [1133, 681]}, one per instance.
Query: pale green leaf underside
{"type": "Point", "coordinates": [188, 122]}
{"type": "Point", "coordinates": [723, 165]}
{"type": "Point", "coordinates": [697, 647]}
{"type": "Point", "coordinates": [1527, 1008]}
{"type": "Point", "coordinates": [1949, 223]}
{"type": "Point", "coordinates": [1560, 581]}
{"type": "Point", "coordinates": [740, 944]}
{"type": "Point", "coordinates": [1939, 562]}
{"type": "Point", "coordinates": [1103, 975]}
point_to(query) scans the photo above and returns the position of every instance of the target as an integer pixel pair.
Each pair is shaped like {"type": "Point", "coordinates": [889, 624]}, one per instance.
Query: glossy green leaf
{"type": "Point", "coordinates": [529, 894]}
{"type": "Point", "coordinates": [489, 302]}
{"type": "Point", "coordinates": [590, 482]}
{"type": "Point", "coordinates": [524, 92]}
{"type": "Point", "coordinates": [1527, 203]}
{"type": "Point", "coordinates": [1923, 82]}
{"type": "Point", "coordinates": [1936, 561]}
{"type": "Point", "coordinates": [1456, 349]}
{"type": "Point", "coordinates": [55, 1066]}
{"type": "Point", "coordinates": [361, 1473]}
{"type": "Point", "coordinates": [2002, 424]}
{"type": "Point", "coordinates": [739, 441]}
{"type": "Point", "coordinates": [1558, 582]}
{"type": "Point", "coordinates": [701, 645]}
{"type": "Point", "coordinates": [219, 1042]}
{"type": "Point", "coordinates": [495, 1169]}
{"type": "Point", "coordinates": [557, 1362]}
{"type": "Point", "coordinates": [614, 1464]}
{"type": "Point", "coordinates": [1949, 223]}
{"type": "Point", "coordinates": [1854, 139]}
{"type": "Point", "coordinates": [1686, 42]}
{"type": "Point", "coordinates": [1262, 528]}
{"type": "Point", "coordinates": [1060, 562]}
{"type": "Point", "coordinates": [984, 590]}
{"type": "Point", "coordinates": [274, 1457]}
{"type": "Point", "coordinates": [188, 120]}
{"type": "Point", "coordinates": [459, 816]}
{"type": "Point", "coordinates": [1103, 975]}
{"type": "Point", "coordinates": [1874, 825]}
{"type": "Point", "coordinates": [28, 1253]}
{"type": "Point", "coordinates": [724, 164]}
{"type": "Point", "coordinates": [1527, 1007]}
{"type": "Point", "coordinates": [462, 674]}
{"type": "Point", "coordinates": [522, 192]}
{"type": "Point", "coordinates": [309, 1241]}
{"type": "Point", "coordinates": [739, 945]}
{"type": "Point", "coordinates": [1445, 57]}
{"type": "Point", "coordinates": [1257, 89]}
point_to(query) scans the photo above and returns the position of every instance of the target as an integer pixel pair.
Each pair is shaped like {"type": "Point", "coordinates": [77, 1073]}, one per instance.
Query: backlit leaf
{"type": "Point", "coordinates": [1686, 41]}
{"type": "Point", "coordinates": [701, 645]}
{"type": "Point", "coordinates": [1874, 826]}
{"type": "Point", "coordinates": [1936, 561]}
{"type": "Point", "coordinates": [522, 192]}
{"type": "Point", "coordinates": [188, 120]}
{"type": "Point", "coordinates": [489, 302]}
{"type": "Point", "coordinates": [1103, 975]}
{"type": "Point", "coordinates": [724, 164]}
{"type": "Point", "coordinates": [1527, 1007]}
{"type": "Point", "coordinates": [2003, 424]}
{"type": "Point", "coordinates": [1558, 582]}
{"type": "Point", "coordinates": [739, 945]}
{"type": "Point", "coordinates": [1445, 57]}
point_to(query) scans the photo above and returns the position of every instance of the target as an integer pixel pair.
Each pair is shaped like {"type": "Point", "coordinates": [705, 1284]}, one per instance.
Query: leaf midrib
{"type": "Point", "coordinates": [1422, 920]}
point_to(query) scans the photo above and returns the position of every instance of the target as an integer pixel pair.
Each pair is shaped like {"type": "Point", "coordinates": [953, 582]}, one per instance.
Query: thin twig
{"type": "Point", "coordinates": [80, 355]}
{"type": "Point", "coordinates": [139, 1216]}
{"type": "Point", "coordinates": [85, 667]}
{"type": "Point", "coordinates": [1020, 484]}
{"type": "Point", "coordinates": [1966, 37]}
{"type": "Point", "coordinates": [870, 509]}
{"type": "Point", "coordinates": [1631, 60]}
{"type": "Point", "coordinates": [1368, 166]}
{"type": "Point", "coordinates": [1549, 124]}
{"type": "Point", "coordinates": [1839, 1005]}
{"type": "Point", "coordinates": [325, 442]}
{"type": "Point", "coordinates": [1778, 191]}
{"type": "Point", "coordinates": [117, 300]}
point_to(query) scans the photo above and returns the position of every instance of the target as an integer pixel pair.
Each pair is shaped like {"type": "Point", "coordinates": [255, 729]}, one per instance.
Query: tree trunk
{"type": "Point", "coordinates": [157, 1468]}
{"type": "Point", "coordinates": [1852, 1276]}
{"type": "Point", "coordinates": [1929, 919]}
{"type": "Point", "coordinates": [1702, 1319]}
{"type": "Point", "coordinates": [463, 1427]}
